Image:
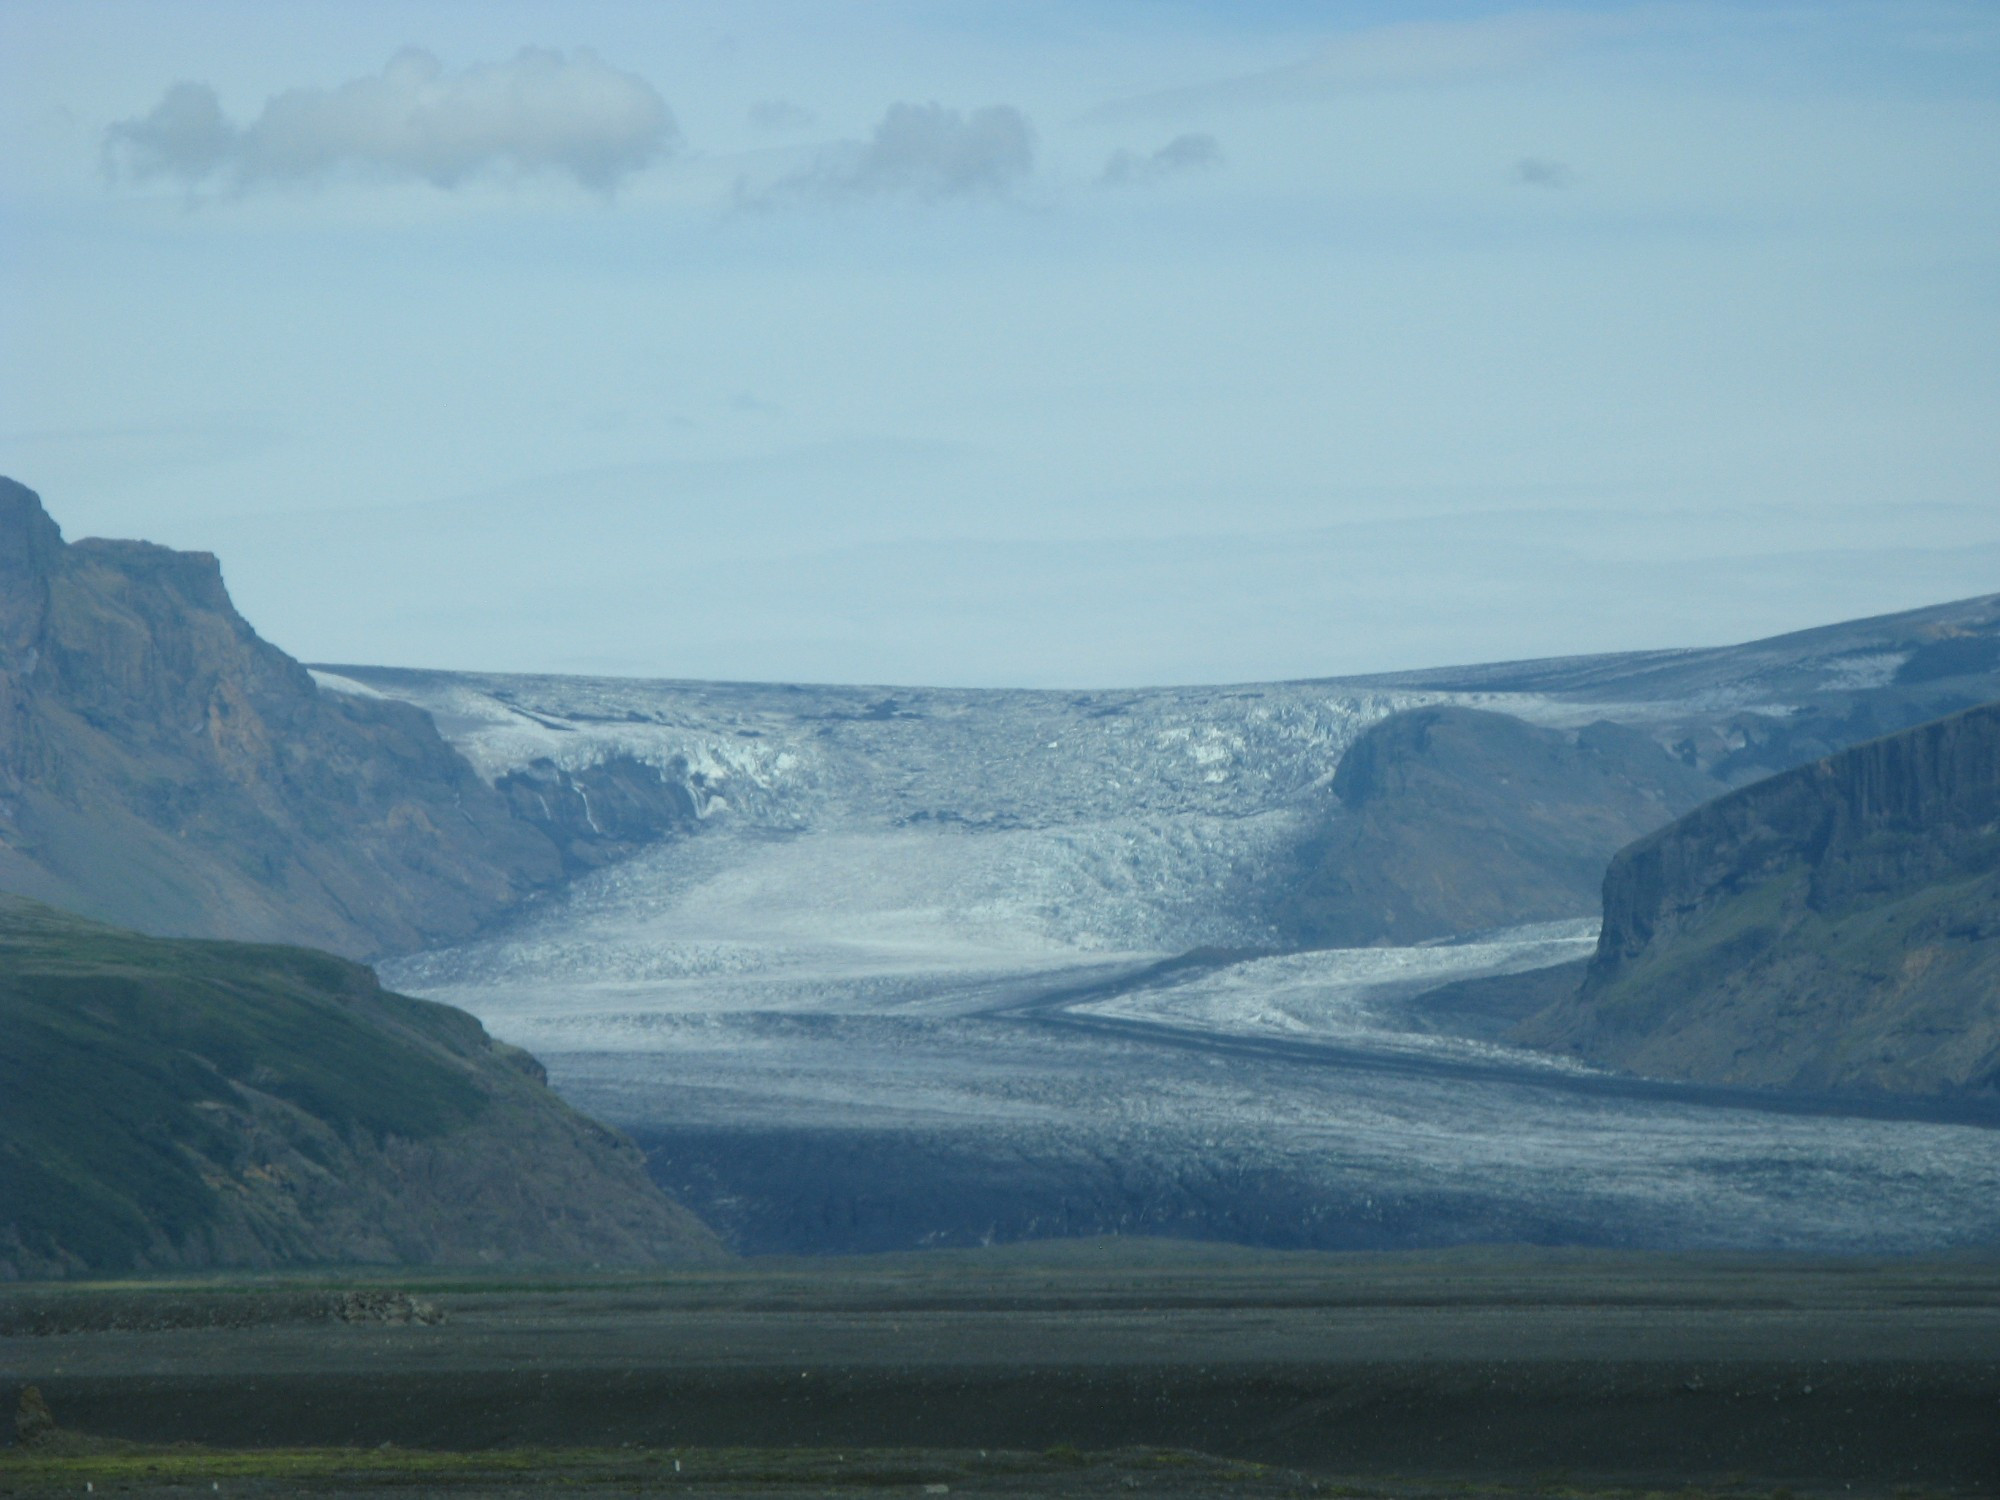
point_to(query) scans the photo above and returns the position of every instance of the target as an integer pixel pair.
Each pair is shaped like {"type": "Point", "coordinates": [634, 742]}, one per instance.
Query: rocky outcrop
{"type": "Point", "coordinates": [602, 812]}
{"type": "Point", "coordinates": [163, 767]}
{"type": "Point", "coordinates": [181, 1104]}
{"type": "Point", "coordinates": [1452, 820]}
{"type": "Point", "coordinates": [1834, 927]}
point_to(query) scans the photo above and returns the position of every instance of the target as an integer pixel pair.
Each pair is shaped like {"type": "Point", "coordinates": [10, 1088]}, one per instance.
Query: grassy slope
{"type": "Point", "coordinates": [122, 1052]}
{"type": "Point", "coordinates": [154, 1090]}
{"type": "Point", "coordinates": [1893, 994]}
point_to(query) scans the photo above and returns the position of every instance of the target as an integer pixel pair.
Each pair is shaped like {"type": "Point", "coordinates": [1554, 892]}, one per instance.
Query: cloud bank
{"type": "Point", "coordinates": [923, 151]}
{"type": "Point", "coordinates": [539, 112]}
{"type": "Point", "coordinates": [1182, 154]}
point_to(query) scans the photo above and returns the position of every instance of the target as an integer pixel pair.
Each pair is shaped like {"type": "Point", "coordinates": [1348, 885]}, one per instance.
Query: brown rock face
{"type": "Point", "coordinates": [1833, 927]}
{"type": "Point", "coordinates": [163, 767]}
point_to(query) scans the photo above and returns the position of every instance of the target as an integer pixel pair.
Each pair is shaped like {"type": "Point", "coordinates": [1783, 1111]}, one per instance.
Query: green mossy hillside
{"type": "Point", "coordinates": [176, 1102]}
{"type": "Point", "coordinates": [124, 1056]}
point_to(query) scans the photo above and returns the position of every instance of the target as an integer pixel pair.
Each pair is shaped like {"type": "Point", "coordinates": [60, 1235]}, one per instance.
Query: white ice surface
{"type": "Point", "coordinates": [788, 758]}
{"type": "Point", "coordinates": [702, 988]}
{"type": "Point", "coordinates": [1349, 995]}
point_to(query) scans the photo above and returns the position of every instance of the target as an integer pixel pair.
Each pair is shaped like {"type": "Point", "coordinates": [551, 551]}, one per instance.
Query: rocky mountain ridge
{"type": "Point", "coordinates": [163, 767]}
{"type": "Point", "coordinates": [1743, 712]}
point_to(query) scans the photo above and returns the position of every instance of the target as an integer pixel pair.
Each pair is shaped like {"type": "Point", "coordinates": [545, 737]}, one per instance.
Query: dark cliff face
{"type": "Point", "coordinates": [1836, 926]}
{"type": "Point", "coordinates": [177, 1103]}
{"type": "Point", "coordinates": [1876, 819]}
{"type": "Point", "coordinates": [1453, 820]}
{"type": "Point", "coordinates": [163, 767]}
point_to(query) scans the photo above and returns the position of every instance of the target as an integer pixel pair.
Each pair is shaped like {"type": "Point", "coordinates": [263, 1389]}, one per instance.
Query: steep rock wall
{"type": "Point", "coordinates": [163, 767]}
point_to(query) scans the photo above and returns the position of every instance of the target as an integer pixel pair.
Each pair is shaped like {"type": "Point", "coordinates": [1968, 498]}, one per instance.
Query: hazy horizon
{"type": "Point", "coordinates": [1025, 346]}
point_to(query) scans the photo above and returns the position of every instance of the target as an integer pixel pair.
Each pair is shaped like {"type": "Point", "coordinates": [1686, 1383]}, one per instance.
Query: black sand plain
{"type": "Point", "coordinates": [1072, 1368]}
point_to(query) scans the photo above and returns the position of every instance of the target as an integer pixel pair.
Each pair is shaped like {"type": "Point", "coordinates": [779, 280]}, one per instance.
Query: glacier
{"type": "Point", "coordinates": [930, 966]}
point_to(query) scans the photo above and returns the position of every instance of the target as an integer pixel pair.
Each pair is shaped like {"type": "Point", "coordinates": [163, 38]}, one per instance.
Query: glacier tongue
{"type": "Point", "coordinates": [845, 831]}
{"type": "Point", "coordinates": [807, 918]}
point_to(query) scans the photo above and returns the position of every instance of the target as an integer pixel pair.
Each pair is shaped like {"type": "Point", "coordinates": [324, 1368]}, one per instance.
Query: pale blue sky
{"type": "Point", "coordinates": [1081, 343]}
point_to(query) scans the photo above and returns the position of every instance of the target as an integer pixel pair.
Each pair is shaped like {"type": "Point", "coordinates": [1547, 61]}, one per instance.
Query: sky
{"type": "Point", "coordinates": [1094, 343]}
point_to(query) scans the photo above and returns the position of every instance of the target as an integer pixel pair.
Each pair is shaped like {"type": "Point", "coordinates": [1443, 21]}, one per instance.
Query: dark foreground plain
{"type": "Point", "coordinates": [1100, 1367]}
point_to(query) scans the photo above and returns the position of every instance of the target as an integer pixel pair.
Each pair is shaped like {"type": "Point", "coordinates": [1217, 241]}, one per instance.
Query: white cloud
{"type": "Point", "coordinates": [538, 112]}
{"type": "Point", "coordinates": [1182, 154]}
{"type": "Point", "coordinates": [186, 136]}
{"type": "Point", "coordinates": [924, 151]}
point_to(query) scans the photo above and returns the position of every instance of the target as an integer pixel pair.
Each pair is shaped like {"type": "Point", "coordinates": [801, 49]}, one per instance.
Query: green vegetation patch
{"type": "Point", "coordinates": [124, 1060]}
{"type": "Point", "coordinates": [700, 1471]}
{"type": "Point", "coordinates": [116, 1467]}
{"type": "Point", "coordinates": [802, 1471]}
{"type": "Point", "coordinates": [1735, 934]}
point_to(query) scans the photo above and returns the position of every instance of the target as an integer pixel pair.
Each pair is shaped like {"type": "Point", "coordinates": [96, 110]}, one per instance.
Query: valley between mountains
{"type": "Point", "coordinates": [922, 967]}
{"type": "Point", "coordinates": [1311, 964]}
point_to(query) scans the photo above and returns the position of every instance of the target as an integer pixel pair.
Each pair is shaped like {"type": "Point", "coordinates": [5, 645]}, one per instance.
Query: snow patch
{"type": "Point", "coordinates": [333, 682]}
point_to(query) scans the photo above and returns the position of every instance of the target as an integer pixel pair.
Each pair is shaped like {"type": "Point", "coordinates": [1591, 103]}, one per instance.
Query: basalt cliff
{"type": "Point", "coordinates": [1832, 928]}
